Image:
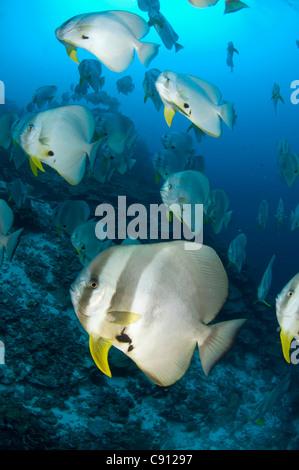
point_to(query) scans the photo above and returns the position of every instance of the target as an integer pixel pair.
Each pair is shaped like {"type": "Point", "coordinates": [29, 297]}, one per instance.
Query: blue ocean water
{"type": "Point", "coordinates": [49, 384]}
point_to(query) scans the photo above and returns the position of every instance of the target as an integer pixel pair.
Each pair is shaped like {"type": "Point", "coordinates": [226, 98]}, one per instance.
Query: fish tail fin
{"type": "Point", "coordinates": [93, 151]}
{"type": "Point", "coordinates": [146, 52]}
{"type": "Point", "coordinates": [12, 243]}
{"type": "Point", "coordinates": [218, 342]}
{"type": "Point", "coordinates": [226, 112]}
{"type": "Point", "coordinates": [235, 6]}
{"type": "Point", "coordinates": [178, 47]}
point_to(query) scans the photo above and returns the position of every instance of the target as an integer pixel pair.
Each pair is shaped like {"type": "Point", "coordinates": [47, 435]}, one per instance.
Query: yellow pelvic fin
{"type": "Point", "coordinates": [72, 52]}
{"type": "Point", "coordinates": [168, 114]}
{"type": "Point", "coordinates": [259, 422]}
{"type": "Point", "coordinates": [58, 229]}
{"type": "Point", "coordinates": [37, 163]}
{"type": "Point", "coordinates": [99, 350]}
{"type": "Point", "coordinates": [169, 215]}
{"type": "Point", "coordinates": [124, 318]}
{"type": "Point", "coordinates": [33, 167]}
{"type": "Point", "coordinates": [286, 338]}
{"type": "Point", "coordinates": [79, 253]}
{"type": "Point", "coordinates": [157, 177]}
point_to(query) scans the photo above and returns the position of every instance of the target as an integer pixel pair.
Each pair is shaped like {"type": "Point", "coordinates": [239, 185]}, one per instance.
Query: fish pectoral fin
{"type": "Point", "coordinates": [124, 318]}
{"type": "Point", "coordinates": [44, 140]}
{"type": "Point", "coordinates": [99, 348]}
{"type": "Point", "coordinates": [168, 114]}
{"type": "Point", "coordinates": [286, 338]}
{"type": "Point", "coordinates": [72, 52]}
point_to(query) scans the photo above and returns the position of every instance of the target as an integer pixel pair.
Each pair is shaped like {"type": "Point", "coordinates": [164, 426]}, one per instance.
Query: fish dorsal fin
{"type": "Point", "coordinates": [169, 113]}
{"type": "Point", "coordinates": [99, 349]}
{"type": "Point", "coordinates": [82, 118]}
{"type": "Point", "coordinates": [207, 268]}
{"type": "Point", "coordinates": [211, 90]}
{"type": "Point", "coordinates": [116, 143]}
{"type": "Point", "coordinates": [135, 23]}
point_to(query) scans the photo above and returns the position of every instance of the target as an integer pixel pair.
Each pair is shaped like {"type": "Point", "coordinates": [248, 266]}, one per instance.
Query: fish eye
{"type": "Point", "coordinates": [170, 186]}
{"type": "Point", "coordinates": [93, 284]}
{"type": "Point", "coordinates": [84, 37]}
{"type": "Point", "coordinates": [290, 293]}
{"type": "Point", "coordinates": [30, 128]}
{"type": "Point", "coordinates": [50, 153]}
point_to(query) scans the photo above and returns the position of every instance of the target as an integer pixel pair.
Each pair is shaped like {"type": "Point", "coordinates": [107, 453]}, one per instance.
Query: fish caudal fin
{"type": "Point", "coordinates": [12, 243]}
{"type": "Point", "coordinates": [146, 52]}
{"type": "Point", "coordinates": [218, 342]}
{"type": "Point", "coordinates": [231, 6]}
{"type": "Point", "coordinates": [178, 47]}
{"type": "Point", "coordinates": [226, 112]}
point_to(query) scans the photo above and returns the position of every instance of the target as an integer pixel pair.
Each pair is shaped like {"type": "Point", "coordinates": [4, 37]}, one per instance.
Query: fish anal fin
{"type": "Point", "coordinates": [99, 349]}
{"type": "Point", "coordinates": [12, 243]}
{"type": "Point", "coordinates": [166, 364]}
